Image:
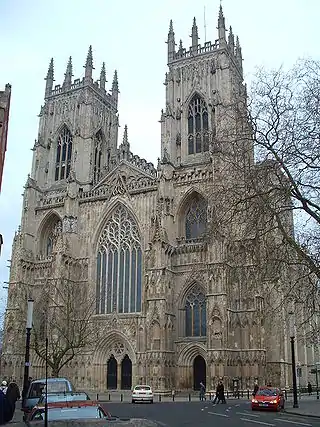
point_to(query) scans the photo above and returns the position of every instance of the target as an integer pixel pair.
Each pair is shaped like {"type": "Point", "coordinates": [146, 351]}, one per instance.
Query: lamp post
{"type": "Point", "coordinates": [294, 370]}
{"type": "Point", "coordinates": [317, 378]}
{"type": "Point", "coordinates": [27, 354]}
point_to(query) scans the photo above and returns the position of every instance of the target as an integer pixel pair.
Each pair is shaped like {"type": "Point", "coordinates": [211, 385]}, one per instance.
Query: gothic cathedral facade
{"type": "Point", "coordinates": [167, 297]}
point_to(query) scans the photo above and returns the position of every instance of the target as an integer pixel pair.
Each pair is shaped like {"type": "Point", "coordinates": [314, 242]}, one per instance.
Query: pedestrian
{"type": "Point", "coordinates": [255, 389]}
{"type": "Point", "coordinates": [13, 394]}
{"type": "Point", "coordinates": [202, 394]}
{"type": "Point", "coordinates": [219, 393]}
{"type": "Point", "coordinates": [309, 388]}
{"type": "Point", "coordinates": [5, 412]}
{"type": "Point", "coordinates": [4, 387]}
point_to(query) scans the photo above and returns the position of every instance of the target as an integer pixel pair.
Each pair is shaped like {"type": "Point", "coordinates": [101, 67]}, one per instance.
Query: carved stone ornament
{"type": "Point", "coordinates": [70, 224]}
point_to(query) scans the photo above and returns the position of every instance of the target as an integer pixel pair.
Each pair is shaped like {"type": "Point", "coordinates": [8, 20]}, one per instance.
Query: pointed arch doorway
{"type": "Point", "coordinates": [112, 373]}
{"type": "Point", "coordinates": [126, 373]}
{"type": "Point", "coordinates": [199, 372]}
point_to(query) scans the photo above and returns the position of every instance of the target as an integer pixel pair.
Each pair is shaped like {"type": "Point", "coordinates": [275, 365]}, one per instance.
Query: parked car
{"type": "Point", "coordinates": [37, 388]}
{"type": "Point", "coordinates": [268, 398]}
{"type": "Point", "coordinates": [142, 393]}
{"type": "Point", "coordinates": [81, 410]}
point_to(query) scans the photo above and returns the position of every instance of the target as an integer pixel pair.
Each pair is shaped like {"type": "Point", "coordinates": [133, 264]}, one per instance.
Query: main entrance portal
{"type": "Point", "coordinates": [126, 373]}
{"type": "Point", "coordinates": [112, 373]}
{"type": "Point", "coordinates": [199, 372]}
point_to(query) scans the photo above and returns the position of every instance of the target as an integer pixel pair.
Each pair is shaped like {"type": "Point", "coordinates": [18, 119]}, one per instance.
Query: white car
{"type": "Point", "coordinates": [142, 393]}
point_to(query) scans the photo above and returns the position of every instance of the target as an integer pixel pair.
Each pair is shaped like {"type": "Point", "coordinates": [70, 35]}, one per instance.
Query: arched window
{"type": "Point", "coordinates": [198, 126]}
{"type": "Point", "coordinates": [119, 265]}
{"type": "Point", "coordinates": [64, 152]}
{"type": "Point", "coordinates": [196, 218]}
{"type": "Point", "coordinates": [49, 235]}
{"type": "Point", "coordinates": [196, 313]}
{"type": "Point", "coordinates": [97, 157]}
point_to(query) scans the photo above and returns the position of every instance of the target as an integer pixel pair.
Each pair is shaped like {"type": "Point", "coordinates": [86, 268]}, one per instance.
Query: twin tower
{"type": "Point", "coordinates": [82, 115]}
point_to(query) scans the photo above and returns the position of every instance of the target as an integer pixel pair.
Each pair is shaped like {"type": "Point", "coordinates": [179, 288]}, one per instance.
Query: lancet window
{"type": "Point", "coordinates": [97, 158]}
{"type": "Point", "coordinates": [198, 126]}
{"type": "Point", "coordinates": [195, 309]}
{"type": "Point", "coordinates": [196, 218]}
{"type": "Point", "coordinates": [64, 153]}
{"type": "Point", "coordinates": [119, 265]}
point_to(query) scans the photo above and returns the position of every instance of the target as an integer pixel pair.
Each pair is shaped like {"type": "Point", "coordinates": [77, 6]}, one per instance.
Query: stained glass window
{"type": "Point", "coordinates": [64, 152]}
{"type": "Point", "coordinates": [119, 265]}
{"type": "Point", "coordinates": [198, 126]}
{"type": "Point", "coordinates": [97, 157]}
{"type": "Point", "coordinates": [196, 218]}
{"type": "Point", "coordinates": [196, 313]}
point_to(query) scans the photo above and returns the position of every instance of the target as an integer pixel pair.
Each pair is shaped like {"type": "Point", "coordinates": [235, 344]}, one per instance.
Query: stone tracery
{"type": "Point", "coordinates": [119, 265]}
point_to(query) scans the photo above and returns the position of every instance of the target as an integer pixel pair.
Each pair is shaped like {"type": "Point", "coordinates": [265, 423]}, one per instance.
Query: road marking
{"type": "Point", "coordinates": [293, 422]}
{"type": "Point", "coordinates": [248, 415]}
{"type": "Point", "coordinates": [217, 413]}
{"type": "Point", "coordinates": [257, 422]}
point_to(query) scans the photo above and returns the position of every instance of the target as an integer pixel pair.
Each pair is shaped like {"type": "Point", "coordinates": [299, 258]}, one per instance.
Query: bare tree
{"type": "Point", "coordinates": [269, 202]}
{"type": "Point", "coordinates": [63, 315]}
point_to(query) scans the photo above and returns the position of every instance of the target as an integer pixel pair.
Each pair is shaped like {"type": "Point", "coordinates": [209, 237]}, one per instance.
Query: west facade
{"type": "Point", "coordinates": [174, 301]}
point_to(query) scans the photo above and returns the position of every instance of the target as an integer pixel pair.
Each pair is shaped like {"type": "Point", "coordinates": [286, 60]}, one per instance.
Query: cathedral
{"type": "Point", "coordinates": [175, 302]}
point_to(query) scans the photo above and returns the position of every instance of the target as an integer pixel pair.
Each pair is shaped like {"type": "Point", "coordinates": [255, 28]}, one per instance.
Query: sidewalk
{"type": "Point", "coordinates": [307, 407]}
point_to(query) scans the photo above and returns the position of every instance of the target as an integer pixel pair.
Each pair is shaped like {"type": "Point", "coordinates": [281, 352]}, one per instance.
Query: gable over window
{"type": "Point", "coordinates": [64, 153]}
{"type": "Point", "coordinates": [198, 126]}
{"type": "Point", "coordinates": [196, 218]}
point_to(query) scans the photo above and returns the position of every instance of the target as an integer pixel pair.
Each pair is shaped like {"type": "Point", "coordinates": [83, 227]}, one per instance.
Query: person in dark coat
{"type": "Point", "coordinates": [220, 393]}
{"type": "Point", "coordinates": [255, 389]}
{"type": "Point", "coordinates": [13, 394]}
{"type": "Point", "coordinates": [5, 410]}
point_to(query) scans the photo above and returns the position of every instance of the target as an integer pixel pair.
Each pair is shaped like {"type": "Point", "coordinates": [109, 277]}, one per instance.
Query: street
{"type": "Point", "coordinates": [205, 414]}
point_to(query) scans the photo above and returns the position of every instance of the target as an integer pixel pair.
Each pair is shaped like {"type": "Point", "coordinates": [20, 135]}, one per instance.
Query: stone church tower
{"type": "Point", "coordinates": [173, 305]}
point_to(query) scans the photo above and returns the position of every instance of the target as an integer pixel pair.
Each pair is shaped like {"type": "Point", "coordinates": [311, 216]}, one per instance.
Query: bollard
{"type": "Point", "coordinates": [189, 397]}
{"type": "Point", "coordinates": [241, 393]}
{"type": "Point", "coordinates": [248, 394]}
{"type": "Point", "coordinates": [173, 394]}
{"type": "Point", "coordinates": [159, 397]}
{"type": "Point", "coordinates": [210, 395]}
{"type": "Point", "coordinates": [227, 394]}
{"type": "Point", "coordinates": [97, 396]}
{"type": "Point", "coordinates": [285, 394]}
{"type": "Point", "coordinates": [109, 396]}
{"type": "Point", "coordinates": [121, 397]}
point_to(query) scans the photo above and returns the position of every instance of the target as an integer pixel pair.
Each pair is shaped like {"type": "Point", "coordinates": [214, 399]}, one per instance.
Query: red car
{"type": "Point", "coordinates": [268, 398]}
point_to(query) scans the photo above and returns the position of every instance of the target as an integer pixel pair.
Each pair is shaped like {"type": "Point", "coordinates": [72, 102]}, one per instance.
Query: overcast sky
{"type": "Point", "coordinates": [128, 35]}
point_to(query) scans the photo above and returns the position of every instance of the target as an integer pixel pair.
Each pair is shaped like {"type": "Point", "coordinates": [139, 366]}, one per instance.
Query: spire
{"type": "Point", "coordinates": [115, 86]}
{"type": "Point", "coordinates": [171, 43]}
{"type": "Point", "coordinates": [68, 75]}
{"type": "Point", "coordinates": [49, 79]}
{"type": "Point", "coordinates": [194, 37]}
{"type": "Point", "coordinates": [231, 40]}
{"type": "Point", "coordinates": [125, 146]}
{"type": "Point", "coordinates": [238, 52]}
{"type": "Point", "coordinates": [221, 28]}
{"type": "Point", "coordinates": [103, 77]}
{"type": "Point", "coordinates": [89, 66]}
{"type": "Point", "coordinates": [125, 136]}
{"type": "Point", "coordinates": [180, 51]}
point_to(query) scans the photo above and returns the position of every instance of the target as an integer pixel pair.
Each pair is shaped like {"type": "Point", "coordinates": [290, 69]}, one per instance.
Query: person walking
{"type": "Point", "coordinates": [219, 393]}
{"type": "Point", "coordinates": [202, 394]}
{"type": "Point", "coordinates": [255, 389]}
